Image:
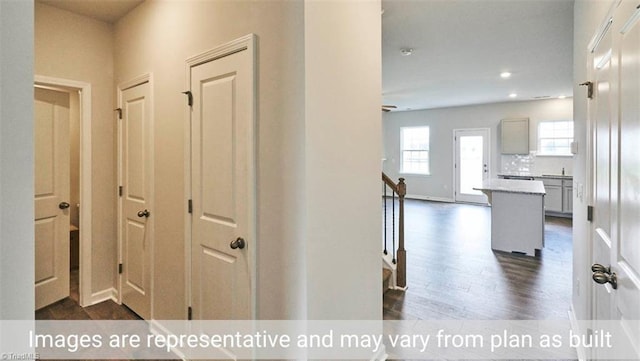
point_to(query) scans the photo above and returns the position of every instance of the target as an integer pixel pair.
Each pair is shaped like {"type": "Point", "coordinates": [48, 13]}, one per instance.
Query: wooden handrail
{"type": "Point", "coordinates": [401, 190]}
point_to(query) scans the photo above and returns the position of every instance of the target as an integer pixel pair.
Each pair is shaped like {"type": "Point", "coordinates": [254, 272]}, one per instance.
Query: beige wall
{"type": "Point", "coordinates": [309, 113]}
{"type": "Point", "coordinates": [342, 146]}
{"type": "Point", "coordinates": [77, 48]}
{"type": "Point", "coordinates": [157, 37]}
{"type": "Point", "coordinates": [297, 156]}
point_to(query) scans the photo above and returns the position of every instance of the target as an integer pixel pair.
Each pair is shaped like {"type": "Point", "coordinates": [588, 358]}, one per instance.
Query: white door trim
{"type": "Point", "coordinates": [245, 43]}
{"type": "Point", "coordinates": [141, 79]}
{"type": "Point", "coordinates": [84, 91]}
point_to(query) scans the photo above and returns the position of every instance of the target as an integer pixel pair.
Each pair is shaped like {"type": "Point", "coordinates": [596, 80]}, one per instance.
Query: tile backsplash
{"type": "Point", "coordinates": [535, 165]}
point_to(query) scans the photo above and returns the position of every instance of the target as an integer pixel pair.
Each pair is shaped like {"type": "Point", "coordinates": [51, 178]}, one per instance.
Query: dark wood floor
{"type": "Point", "coordinates": [69, 308]}
{"type": "Point", "coordinates": [453, 273]}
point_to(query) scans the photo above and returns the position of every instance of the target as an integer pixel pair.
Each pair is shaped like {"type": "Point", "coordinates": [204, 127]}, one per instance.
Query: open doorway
{"type": "Point", "coordinates": [70, 100]}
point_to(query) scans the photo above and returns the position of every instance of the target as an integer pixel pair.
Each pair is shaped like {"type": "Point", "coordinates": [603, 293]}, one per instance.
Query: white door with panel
{"type": "Point", "coordinates": [136, 215]}
{"type": "Point", "coordinates": [222, 186]}
{"type": "Point", "coordinates": [471, 164]}
{"type": "Point", "coordinates": [52, 179]}
{"type": "Point", "coordinates": [614, 114]}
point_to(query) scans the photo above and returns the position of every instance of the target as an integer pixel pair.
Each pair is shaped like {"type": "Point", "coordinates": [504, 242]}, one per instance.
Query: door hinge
{"type": "Point", "coordinates": [120, 191]}
{"type": "Point", "coordinates": [189, 97]}
{"type": "Point", "coordinates": [589, 86]}
{"type": "Point", "coordinates": [119, 110]}
{"type": "Point", "coordinates": [189, 313]}
{"type": "Point", "coordinates": [190, 206]}
{"type": "Point", "coordinates": [120, 268]}
{"type": "Point", "coordinates": [590, 213]}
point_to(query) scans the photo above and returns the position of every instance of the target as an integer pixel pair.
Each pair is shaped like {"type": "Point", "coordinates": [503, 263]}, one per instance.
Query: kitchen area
{"type": "Point", "coordinates": [530, 185]}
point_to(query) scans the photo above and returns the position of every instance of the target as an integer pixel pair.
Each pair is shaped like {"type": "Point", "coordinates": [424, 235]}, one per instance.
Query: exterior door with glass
{"type": "Point", "coordinates": [471, 164]}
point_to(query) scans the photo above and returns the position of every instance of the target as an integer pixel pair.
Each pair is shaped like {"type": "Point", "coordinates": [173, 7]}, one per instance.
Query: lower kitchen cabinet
{"type": "Point", "coordinates": [567, 196]}
{"type": "Point", "coordinates": [559, 198]}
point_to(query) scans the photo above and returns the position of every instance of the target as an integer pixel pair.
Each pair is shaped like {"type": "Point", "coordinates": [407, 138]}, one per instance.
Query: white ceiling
{"type": "Point", "coordinates": [462, 46]}
{"type": "Point", "coordinates": [106, 10]}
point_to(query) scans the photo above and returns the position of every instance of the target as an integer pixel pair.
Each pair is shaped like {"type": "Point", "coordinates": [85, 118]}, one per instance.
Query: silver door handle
{"type": "Point", "coordinates": [238, 243]}
{"type": "Point", "coordinates": [144, 214]}
{"type": "Point", "coordinates": [602, 275]}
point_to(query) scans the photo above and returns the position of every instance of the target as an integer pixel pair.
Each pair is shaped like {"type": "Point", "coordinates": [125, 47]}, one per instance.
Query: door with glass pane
{"type": "Point", "coordinates": [471, 164]}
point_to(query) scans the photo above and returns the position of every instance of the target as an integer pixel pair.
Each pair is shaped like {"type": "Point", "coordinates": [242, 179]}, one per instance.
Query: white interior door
{"type": "Point", "coordinates": [136, 216]}
{"type": "Point", "coordinates": [223, 187]}
{"type": "Point", "coordinates": [615, 130]}
{"type": "Point", "coordinates": [471, 164]}
{"type": "Point", "coordinates": [52, 221]}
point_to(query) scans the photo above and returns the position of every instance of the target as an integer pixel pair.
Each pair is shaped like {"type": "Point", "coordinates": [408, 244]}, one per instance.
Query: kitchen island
{"type": "Point", "coordinates": [517, 215]}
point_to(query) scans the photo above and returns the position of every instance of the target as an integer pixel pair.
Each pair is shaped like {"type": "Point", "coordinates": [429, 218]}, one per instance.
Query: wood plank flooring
{"type": "Point", "coordinates": [453, 273]}
{"type": "Point", "coordinates": [69, 308]}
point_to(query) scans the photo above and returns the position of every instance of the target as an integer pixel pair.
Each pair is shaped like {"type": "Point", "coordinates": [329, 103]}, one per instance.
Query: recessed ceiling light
{"type": "Point", "coordinates": [505, 75]}
{"type": "Point", "coordinates": [562, 97]}
{"type": "Point", "coordinates": [513, 95]}
{"type": "Point", "coordinates": [406, 51]}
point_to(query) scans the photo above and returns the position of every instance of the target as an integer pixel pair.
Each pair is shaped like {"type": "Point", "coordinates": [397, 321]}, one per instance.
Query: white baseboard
{"type": "Point", "coordinates": [101, 296]}
{"type": "Point", "coordinates": [576, 329]}
{"type": "Point", "coordinates": [427, 198]}
{"type": "Point", "coordinates": [381, 355]}
{"type": "Point", "coordinates": [158, 329]}
{"type": "Point", "coordinates": [401, 288]}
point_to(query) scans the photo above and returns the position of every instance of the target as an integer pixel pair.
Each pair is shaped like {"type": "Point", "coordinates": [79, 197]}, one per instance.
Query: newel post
{"type": "Point", "coordinates": [402, 253]}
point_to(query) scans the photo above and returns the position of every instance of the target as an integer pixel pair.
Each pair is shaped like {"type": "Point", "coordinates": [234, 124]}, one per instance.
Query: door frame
{"type": "Point", "coordinates": [141, 79]}
{"type": "Point", "coordinates": [455, 157]}
{"type": "Point", "coordinates": [246, 43]}
{"type": "Point", "coordinates": [84, 92]}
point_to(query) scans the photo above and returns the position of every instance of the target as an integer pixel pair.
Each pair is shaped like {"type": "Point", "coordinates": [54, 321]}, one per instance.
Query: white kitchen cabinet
{"type": "Point", "coordinates": [567, 196]}
{"type": "Point", "coordinates": [553, 198]}
{"type": "Point", "coordinates": [517, 215]}
{"type": "Point", "coordinates": [515, 136]}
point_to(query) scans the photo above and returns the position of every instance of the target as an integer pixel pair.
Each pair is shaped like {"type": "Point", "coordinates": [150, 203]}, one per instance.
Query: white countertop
{"type": "Point", "coordinates": [512, 186]}
{"type": "Point", "coordinates": [527, 174]}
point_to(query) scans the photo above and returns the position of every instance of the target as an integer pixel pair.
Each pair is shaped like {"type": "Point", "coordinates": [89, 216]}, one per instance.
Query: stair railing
{"type": "Point", "coordinates": [393, 223]}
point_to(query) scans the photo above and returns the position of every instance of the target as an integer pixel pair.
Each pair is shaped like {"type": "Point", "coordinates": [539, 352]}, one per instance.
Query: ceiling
{"type": "Point", "coordinates": [106, 10]}
{"type": "Point", "coordinates": [460, 47]}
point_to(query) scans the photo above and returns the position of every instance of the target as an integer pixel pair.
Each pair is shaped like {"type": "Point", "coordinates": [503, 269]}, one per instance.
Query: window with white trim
{"type": "Point", "coordinates": [414, 150]}
{"type": "Point", "coordinates": [555, 137]}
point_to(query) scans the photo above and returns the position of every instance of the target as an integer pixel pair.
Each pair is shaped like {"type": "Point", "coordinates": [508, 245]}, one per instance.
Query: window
{"type": "Point", "coordinates": [414, 150]}
{"type": "Point", "coordinates": [555, 137]}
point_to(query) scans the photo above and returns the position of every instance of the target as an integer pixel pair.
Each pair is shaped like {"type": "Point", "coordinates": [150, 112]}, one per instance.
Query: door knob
{"type": "Point", "coordinates": [144, 213]}
{"type": "Point", "coordinates": [602, 275]}
{"type": "Point", "coordinates": [63, 205]}
{"type": "Point", "coordinates": [602, 278]}
{"type": "Point", "coordinates": [238, 243]}
{"type": "Point", "coordinates": [600, 268]}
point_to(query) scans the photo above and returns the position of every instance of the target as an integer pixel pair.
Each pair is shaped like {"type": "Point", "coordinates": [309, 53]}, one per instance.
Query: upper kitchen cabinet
{"type": "Point", "coordinates": [515, 136]}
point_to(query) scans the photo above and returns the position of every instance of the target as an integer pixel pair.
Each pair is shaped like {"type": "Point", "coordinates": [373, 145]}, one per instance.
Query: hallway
{"type": "Point", "coordinates": [453, 273]}
{"type": "Point", "coordinates": [69, 308]}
